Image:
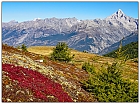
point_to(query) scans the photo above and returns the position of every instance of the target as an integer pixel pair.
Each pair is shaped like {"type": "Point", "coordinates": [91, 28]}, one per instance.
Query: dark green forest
{"type": "Point", "coordinates": [131, 50]}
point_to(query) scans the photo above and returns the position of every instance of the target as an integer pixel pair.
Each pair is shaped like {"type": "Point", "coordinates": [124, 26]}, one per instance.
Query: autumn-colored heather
{"type": "Point", "coordinates": [39, 84]}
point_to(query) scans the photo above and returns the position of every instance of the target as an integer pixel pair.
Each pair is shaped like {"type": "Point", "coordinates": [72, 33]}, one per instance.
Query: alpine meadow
{"type": "Point", "coordinates": [70, 52]}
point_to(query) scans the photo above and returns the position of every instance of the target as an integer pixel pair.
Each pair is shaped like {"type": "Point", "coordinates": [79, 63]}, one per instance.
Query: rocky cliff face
{"type": "Point", "coordinates": [91, 35]}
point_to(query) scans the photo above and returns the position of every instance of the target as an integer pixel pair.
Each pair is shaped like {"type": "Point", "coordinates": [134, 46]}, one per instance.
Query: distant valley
{"type": "Point", "coordinates": [95, 36]}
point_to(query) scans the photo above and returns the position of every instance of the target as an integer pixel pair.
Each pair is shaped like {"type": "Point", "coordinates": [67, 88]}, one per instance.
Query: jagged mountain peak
{"type": "Point", "coordinates": [119, 12]}
{"type": "Point", "coordinates": [120, 19]}
{"type": "Point", "coordinates": [117, 15]}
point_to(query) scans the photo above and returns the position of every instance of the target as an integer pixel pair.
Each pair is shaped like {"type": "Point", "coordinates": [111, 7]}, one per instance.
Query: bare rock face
{"type": "Point", "coordinates": [90, 35]}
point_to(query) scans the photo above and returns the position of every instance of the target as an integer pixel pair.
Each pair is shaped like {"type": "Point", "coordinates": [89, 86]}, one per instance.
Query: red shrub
{"type": "Point", "coordinates": [39, 84]}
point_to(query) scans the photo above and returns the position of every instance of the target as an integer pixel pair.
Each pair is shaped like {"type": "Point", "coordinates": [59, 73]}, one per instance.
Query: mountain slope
{"type": "Point", "coordinates": [91, 35]}
{"type": "Point", "coordinates": [25, 79]}
{"type": "Point", "coordinates": [130, 49]}
{"type": "Point", "coordinates": [131, 38]}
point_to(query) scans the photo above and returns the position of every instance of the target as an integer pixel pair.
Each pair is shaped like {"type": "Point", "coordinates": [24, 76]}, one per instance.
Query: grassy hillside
{"type": "Point", "coordinates": [43, 50]}
{"type": "Point", "coordinates": [79, 59]}
{"type": "Point", "coordinates": [130, 49]}
{"type": "Point", "coordinates": [25, 79]}
{"type": "Point", "coordinates": [53, 81]}
{"type": "Point", "coordinates": [130, 70]}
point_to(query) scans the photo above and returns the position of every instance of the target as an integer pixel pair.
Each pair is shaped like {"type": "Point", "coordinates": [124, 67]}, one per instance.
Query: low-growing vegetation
{"type": "Point", "coordinates": [65, 74]}
{"type": "Point", "coordinates": [39, 84]}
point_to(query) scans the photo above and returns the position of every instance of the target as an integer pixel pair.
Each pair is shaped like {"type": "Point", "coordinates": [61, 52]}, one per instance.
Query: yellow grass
{"type": "Point", "coordinates": [130, 70]}
{"type": "Point", "coordinates": [43, 50]}
{"type": "Point", "coordinates": [79, 59]}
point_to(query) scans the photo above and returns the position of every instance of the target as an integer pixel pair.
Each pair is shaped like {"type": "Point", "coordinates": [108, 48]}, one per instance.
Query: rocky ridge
{"type": "Point", "coordinates": [91, 35]}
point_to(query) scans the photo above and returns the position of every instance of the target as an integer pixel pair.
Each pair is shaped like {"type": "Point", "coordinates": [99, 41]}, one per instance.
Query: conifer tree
{"type": "Point", "coordinates": [61, 52]}
{"type": "Point", "coordinates": [108, 85]}
{"type": "Point", "coordinates": [24, 48]}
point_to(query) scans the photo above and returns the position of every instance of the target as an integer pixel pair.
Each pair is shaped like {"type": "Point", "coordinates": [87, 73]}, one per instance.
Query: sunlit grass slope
{"type": "Point", "coordinates": [130, 69]}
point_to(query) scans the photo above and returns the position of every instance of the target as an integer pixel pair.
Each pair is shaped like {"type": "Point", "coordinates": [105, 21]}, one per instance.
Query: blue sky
{"type": "Point", "coordinates": [24, 11]}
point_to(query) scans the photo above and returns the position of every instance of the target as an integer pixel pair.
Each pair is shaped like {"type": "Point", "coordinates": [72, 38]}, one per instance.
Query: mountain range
{"type": "Point", "coordinates": [93, 36]}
